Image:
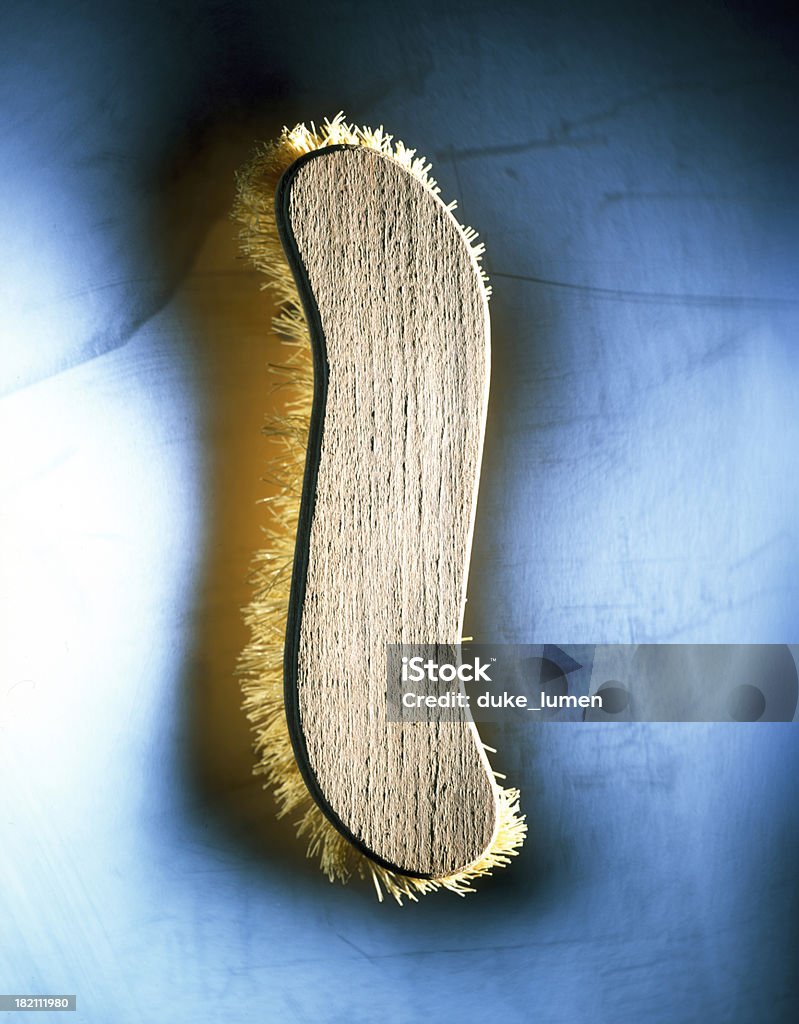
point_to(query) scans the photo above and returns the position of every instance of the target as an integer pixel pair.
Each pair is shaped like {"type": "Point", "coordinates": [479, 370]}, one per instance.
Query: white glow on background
{"type": "Point", "coordinates": [99, 541]}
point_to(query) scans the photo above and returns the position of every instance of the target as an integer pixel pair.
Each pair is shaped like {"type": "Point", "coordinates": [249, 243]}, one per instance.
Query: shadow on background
{"type": "Point", "coordinates": [243, 93]}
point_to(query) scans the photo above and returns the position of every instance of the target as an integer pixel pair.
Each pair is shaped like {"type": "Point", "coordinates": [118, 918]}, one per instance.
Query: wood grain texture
{"type": "Point", "coordinates": [400, 326]}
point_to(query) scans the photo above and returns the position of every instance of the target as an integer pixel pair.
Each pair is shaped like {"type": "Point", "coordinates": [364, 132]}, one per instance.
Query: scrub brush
{"type": "Point", "coordinates": [380, 403]}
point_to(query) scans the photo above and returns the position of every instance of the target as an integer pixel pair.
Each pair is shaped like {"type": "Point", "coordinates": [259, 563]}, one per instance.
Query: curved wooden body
{"type": "Point", "coordinates": [399, 324]}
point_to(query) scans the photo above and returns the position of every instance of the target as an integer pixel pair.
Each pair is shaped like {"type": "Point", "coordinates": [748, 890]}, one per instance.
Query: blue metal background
{"type": "Point", "coordinates": [632, 168]}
